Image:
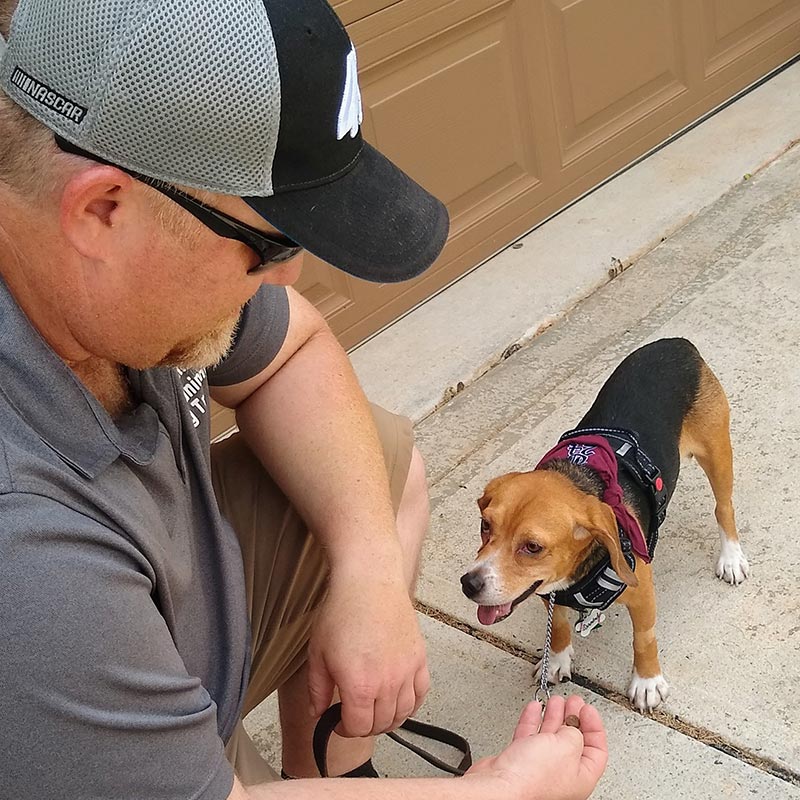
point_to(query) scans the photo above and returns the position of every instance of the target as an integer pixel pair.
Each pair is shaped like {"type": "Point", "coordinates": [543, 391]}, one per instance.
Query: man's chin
{"type": "Point", "coordinates": [206, 351]}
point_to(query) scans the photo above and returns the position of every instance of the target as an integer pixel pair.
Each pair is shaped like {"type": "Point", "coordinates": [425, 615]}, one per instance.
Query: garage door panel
{"type": "Point", "coordinates": [331, 291]}
{"type": "Point", "coordinates": [457, 114]}
{"type": "Point", "coordinates": [734, 28]}
{"type": "Point", "coordinates": [612, 63]}
{"type": "Point", "coordinates": [350, 11]}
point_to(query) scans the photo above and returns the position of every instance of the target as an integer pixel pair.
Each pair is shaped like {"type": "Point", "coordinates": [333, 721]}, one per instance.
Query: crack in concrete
{"type": "Point", "coordinates": [673, 721]}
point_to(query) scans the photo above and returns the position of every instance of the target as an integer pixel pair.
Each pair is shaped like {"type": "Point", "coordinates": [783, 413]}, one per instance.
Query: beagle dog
{"type": "Point", "coordinates": [584, 523]}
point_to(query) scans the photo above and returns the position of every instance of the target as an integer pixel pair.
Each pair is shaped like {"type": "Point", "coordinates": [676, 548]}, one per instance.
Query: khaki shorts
{"type": "Point", "coordinates": [285, 570]}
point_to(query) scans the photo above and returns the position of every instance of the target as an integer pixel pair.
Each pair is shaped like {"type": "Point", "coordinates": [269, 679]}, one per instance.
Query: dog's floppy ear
{"type": "Point", "coordinates": [599, 520]}
{"type": "Point", "coordinates": [492, 487]}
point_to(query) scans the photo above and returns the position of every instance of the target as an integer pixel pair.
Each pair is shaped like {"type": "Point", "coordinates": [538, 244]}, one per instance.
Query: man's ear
{"type": "Point", "coordinates": [89, 208]}
{"type": "Point", "coordinates": [599, 520]}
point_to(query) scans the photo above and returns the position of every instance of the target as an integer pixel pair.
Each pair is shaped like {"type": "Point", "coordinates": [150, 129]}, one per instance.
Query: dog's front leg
{"type": "Point", "coordinates": [648, 687]}
{"type": "Point", "coordinates": [560, 665]}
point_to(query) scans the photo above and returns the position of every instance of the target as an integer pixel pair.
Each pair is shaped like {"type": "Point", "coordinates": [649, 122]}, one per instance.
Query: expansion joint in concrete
{"type": "Point", "coordinates": [698, 732]}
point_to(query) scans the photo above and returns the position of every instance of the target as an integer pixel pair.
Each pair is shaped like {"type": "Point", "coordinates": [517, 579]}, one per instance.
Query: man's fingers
{"type": "Point", "coordinates": [384, 712]}
{"type": "Point", "coordinates": [595, 746]}
{"type": "Point", "coordinates": [574, 737]}
{"type": "Point", "coordinates": [529, 721]}
{"type": "Point", "coordinates": [573, 706]}
{"type": "Point", "coordinates": [358, 710]}
{"type": "Point", "coordinates": [406, 705]}
{"type": "Point", "coordinates": [370, 706]}
{"type": "Point", "coordinates": [363, 717]}
{"type": "Point", "coordinates": [553, 714]}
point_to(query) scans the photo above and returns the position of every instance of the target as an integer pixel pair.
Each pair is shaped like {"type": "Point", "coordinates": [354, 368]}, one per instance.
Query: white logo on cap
{"type": "Point", "coordinates": [350, 113]}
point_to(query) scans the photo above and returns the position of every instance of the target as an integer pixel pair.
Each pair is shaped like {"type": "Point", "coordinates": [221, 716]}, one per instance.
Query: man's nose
{"type": "Point", "coordinates": [285, 273]}
{"type": "Point", "coordinates": [472, 583]}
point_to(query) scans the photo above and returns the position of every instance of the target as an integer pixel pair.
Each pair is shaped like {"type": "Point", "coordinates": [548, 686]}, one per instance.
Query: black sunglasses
{"type": "Point", "coordinates": [271, 249]}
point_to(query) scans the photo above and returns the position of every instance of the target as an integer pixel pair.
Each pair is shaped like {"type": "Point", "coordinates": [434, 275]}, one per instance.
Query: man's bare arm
{"type": "Point", "coordinates": [547, 761]}
{"type": "Point", "coordinates": [308, 421]}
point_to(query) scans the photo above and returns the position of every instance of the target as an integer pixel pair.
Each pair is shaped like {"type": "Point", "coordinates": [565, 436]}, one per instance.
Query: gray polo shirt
{"type": "Point", "coordinates": [123, 626]}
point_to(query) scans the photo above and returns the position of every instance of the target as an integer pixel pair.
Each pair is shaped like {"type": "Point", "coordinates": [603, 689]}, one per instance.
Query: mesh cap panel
{"type": "Point", "coordinates": [187, 91]}
{"type": "Point", "coordinates": [67, 57]}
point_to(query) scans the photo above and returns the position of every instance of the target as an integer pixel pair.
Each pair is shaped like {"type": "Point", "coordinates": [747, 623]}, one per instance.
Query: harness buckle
{"type": "Point", "coordinates": [624, 540]}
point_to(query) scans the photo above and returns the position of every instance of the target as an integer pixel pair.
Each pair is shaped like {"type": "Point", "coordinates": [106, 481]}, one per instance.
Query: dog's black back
{"type": "Point", "coordinates": [650, 393]}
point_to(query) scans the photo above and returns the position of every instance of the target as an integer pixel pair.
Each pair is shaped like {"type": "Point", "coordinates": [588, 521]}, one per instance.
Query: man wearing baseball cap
{"type": "Point", "coordinates": [163, 164]}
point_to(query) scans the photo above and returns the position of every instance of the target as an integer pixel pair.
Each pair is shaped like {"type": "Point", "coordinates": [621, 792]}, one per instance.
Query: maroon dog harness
{"type": "Point", "coordinates": [596, 453]}
{"type": "Point", "coordinates": [605, 450]}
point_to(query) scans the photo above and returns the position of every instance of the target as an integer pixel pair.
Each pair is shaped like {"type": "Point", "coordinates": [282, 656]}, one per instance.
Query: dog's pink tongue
{"type": "Point", "coordinates": [488, 615]}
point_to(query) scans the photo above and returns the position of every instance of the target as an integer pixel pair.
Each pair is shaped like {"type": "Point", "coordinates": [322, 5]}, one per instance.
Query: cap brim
{"type": "Point", "coordinates": [373, 222]}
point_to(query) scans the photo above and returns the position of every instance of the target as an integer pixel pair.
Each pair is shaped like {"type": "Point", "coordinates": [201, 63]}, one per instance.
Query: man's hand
{"type": "Point", "coordinates": [366, 642]}
{"type": "Point", "coordinates": [554, 761]}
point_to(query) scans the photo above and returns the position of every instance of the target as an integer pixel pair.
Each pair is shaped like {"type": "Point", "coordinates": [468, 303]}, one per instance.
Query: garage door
{"type": "Point", "coordinates": [509, 110]}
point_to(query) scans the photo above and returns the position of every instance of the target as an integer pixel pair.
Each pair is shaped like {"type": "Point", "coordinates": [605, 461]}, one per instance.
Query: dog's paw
{"type": "Point", "coordinates": [647, 693]}
{"type": "Point", "coordinates": [732, 565]}
{"type": "Point", "coordinates": [559, 667]}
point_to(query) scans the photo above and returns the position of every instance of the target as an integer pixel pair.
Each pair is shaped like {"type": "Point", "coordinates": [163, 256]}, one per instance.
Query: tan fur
{"type": "Point", "coordinates": [546, 508]}
{"type": "Point", "coordinates": [562, 629]}
{"type": "Point", "coordinates": [535, 507]}
{"type": "Point", "coordinates": [705, 435]}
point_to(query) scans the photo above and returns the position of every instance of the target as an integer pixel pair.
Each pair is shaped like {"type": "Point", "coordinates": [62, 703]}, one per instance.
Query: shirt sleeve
{"type": "Point", "coordinates": [95, 700]}
{"type": "Point", "coordinates": [260, 335]}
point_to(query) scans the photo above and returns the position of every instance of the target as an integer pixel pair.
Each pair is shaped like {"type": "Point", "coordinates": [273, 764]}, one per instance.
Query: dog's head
{"type": "Point", "coordinates": [537, 529]}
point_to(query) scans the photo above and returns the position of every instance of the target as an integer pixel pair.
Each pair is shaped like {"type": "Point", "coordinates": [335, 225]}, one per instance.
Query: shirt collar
{"type": "Point", "coordinates": [47, 394]}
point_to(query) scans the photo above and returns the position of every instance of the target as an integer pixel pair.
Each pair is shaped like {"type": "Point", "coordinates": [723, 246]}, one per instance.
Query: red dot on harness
{"type": "Point", "coordinates": [659, 484]}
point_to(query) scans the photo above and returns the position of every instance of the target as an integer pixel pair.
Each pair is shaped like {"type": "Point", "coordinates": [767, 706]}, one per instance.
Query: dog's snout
{"type": "Point", "coordinates": [472, 584]}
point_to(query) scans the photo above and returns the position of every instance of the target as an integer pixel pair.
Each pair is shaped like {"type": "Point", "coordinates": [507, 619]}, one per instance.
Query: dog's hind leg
{"type": "Point", "coordinates": [706, 435]}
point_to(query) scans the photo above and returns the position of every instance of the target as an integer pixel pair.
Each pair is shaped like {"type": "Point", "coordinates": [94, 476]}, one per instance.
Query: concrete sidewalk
{"type": "Point", "coordinates": [728, 281]}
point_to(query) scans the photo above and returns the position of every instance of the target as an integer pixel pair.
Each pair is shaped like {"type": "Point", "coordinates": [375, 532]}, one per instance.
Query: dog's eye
{"type": "Point", "coordinates": [531, 548]}
{"type": "Point", "coordinates": [485, 527]}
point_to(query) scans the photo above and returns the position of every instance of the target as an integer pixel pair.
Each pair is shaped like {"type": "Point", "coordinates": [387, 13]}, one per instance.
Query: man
{"type": "Point", "coordinates": [161, 161]}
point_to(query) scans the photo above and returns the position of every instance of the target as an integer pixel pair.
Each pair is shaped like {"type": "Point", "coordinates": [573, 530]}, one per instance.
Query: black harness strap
{"type": "Point", "coordinates": [333, 716]}
{"type": "Point", "coordinates": [602, 586]}
{"type": "Point", "coordinates": [640, 467]}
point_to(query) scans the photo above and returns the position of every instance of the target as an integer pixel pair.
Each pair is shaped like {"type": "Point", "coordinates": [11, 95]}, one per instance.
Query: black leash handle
{"type": "Point", "coordinates": [333, 716]}
{"type": "Point", "coordinates": [436, 734]}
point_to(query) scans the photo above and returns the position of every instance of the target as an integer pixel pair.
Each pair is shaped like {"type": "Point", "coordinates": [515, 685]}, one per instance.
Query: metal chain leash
{"type": "Point", "coordinates": [543, 692]}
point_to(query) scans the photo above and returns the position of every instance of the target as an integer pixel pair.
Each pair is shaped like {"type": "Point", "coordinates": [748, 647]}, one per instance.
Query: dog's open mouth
{"type": "Point", "coordinates": [488, 615]}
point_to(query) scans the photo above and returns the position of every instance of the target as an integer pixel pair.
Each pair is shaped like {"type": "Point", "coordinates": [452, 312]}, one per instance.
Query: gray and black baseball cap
{"type": "Point", "coordinates": [255, 98]}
